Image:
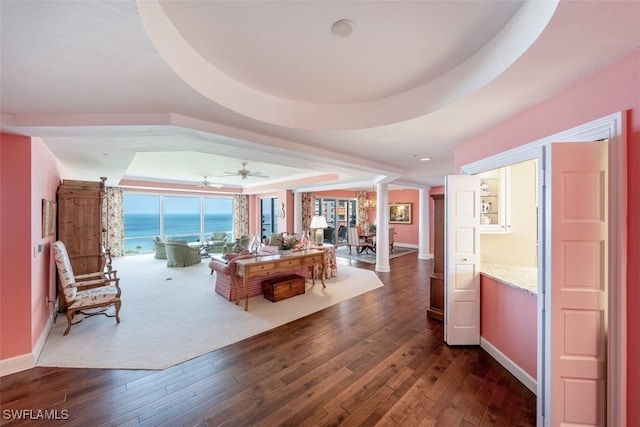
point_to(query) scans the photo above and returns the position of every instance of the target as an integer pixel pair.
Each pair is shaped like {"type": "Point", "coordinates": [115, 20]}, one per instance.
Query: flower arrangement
{"type": "Point", "coordinates": [288, 242]}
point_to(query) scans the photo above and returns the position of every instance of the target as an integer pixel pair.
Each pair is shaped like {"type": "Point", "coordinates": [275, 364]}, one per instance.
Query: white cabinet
{"type": "Point", "coordinates": [494, 191]}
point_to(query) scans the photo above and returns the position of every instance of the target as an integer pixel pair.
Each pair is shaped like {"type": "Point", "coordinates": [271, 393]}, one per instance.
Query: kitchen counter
{"type": "Point", "coordinates": [519, 277]}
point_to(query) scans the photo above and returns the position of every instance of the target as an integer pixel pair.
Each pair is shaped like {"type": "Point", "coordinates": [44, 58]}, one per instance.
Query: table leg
{"type": "Point", "coordinates": [246, 292]}
{"type": "Point", "coordinates": [324, 270]}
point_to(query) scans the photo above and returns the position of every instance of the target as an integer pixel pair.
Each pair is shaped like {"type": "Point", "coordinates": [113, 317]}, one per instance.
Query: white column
{"type": "Point", "coordinates": [297, 213]}
{"type": "Point", "coordinates": [382, 228]}
{"type": "Point", "coordinates": [423, 225]}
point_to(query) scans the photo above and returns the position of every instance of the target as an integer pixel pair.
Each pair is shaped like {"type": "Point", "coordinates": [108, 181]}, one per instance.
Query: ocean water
{"type": "Point", "coordinates": [140, 229]}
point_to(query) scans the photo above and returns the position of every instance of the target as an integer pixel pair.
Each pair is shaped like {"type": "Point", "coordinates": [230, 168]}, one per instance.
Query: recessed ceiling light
{"type": "Point", "coordinates": [425, 159]}
{"type": "Point", "coordinates": [342, 28]}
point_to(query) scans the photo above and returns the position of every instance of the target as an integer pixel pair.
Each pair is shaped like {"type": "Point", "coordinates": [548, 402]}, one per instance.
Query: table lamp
{"type": "Point", "coordinates": [319, 223]}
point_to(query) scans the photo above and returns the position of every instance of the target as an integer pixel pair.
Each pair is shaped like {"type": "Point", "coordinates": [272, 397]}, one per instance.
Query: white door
{"type": "Point", "coordinates": [462, 260]}
{"type": "Point", "coordinates": [576, 299]}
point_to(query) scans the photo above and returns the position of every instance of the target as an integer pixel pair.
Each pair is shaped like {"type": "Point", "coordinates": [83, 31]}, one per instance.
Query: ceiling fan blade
{"type": "Point", "coordinates": [206, 183]}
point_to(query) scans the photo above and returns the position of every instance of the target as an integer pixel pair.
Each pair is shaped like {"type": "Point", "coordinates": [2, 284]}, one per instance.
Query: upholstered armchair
{"type": "Point", "coordinates": [216, 242]}
{"type": "Point", "coordinates": [180, 254]}
{"type": "Point", "coordinates": [356, 241]}
{"type": "Point", "coordinates": [159, 247]}
{"type": "Point", "coordinates": [244, 241]}
{"type": "Point", "coordinates": [85, 292]}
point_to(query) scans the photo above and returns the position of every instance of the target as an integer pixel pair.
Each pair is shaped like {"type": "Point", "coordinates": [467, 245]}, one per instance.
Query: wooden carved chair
{"type": "Point", "coordinates": [87, 291]}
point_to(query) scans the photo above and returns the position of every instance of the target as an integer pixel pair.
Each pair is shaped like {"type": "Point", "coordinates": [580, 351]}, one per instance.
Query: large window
{"type": "Point", "coordinates": [340, 215]}
{"type": "Point", "coordinates": [182, 218]}
{"type": "Point", "coordinates": [176, 217]}
{"type": "Point", "coordinates": [268, 215]}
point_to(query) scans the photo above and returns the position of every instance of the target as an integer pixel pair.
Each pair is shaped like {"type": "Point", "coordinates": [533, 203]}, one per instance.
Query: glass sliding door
{"type": "Point", "coordinates": [346, 217]}
{"type": "Point", "coordinates": [268, 215]}
{"type": "Point", "coordinates": [340, 214]}
{"type": "Point", "coordinates": [218, 217]}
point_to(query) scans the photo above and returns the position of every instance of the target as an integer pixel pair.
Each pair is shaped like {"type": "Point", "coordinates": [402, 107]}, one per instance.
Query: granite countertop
{"type": "Point", "coordinates": [519, 277]}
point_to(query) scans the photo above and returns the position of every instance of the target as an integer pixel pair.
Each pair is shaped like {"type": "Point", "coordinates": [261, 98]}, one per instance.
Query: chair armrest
{"type": "Point", "coordinates": [116, 282]}
{"type": "Point", "coordinates": [97, 274]}
{"type": "Point", "coordinates": [219, 267]}
{"type": "Point", "coordinates": [89, 276]}
{"type": "Point", "coordinates": [99, 283]}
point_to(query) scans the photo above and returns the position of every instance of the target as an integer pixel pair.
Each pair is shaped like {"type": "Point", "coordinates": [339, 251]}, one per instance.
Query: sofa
{"type": "Point", "coordinates": [180, 254]}
{"type": "Point", "coordinates": [216, 242]}
{"type": "Point", "coordinates": [159, 247]}
{"type": "Point", "coordinates": [226, 278]}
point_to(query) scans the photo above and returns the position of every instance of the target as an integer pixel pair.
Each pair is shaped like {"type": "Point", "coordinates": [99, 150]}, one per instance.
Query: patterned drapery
{"type": "Point", "coordinates": [308, 209]}
{"type": "Point", "coordinates": [240, 215]}
{"type": "Point", "coordinates": [113, 220]}
{"type": "Point", "coordinates": [363, 215]}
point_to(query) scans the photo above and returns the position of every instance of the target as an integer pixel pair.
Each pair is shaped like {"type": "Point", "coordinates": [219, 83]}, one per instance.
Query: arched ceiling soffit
{"type": "Point", "coordinates": [280, 62]}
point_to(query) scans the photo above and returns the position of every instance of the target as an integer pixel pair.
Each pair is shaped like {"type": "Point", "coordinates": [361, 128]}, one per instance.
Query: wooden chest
{"type": "Point", "coordinates": [284, 287]}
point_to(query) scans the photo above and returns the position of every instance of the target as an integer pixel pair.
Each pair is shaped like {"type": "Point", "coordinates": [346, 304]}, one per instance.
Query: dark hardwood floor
{"type": "Point", "coordinates": [371, 360]}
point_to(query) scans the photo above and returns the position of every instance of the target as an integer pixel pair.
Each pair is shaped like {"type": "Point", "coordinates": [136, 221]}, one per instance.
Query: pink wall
{"type": "Point", "coordinates": [508, 321]}
{"type": "Point", "coordinates": [45, 178]}
{"type": "Point", "coordinates": [15, 246]}
{"type": "Point", "coordinates": [614, 89]}
{"type": "Point", "coordinates": [29, 173]}
{"type": "Point", "coordinates": [405, 233]}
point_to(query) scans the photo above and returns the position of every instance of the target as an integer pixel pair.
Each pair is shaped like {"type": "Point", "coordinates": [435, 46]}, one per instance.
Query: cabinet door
{"type": "Point", "coordinates": [577, 297]}
{"type": "Point", "coordinates": [494, 201]}
{"type": "Point", "coordinates": [462, 260]}
{"type": "Point", "coordinates": [80, 224]}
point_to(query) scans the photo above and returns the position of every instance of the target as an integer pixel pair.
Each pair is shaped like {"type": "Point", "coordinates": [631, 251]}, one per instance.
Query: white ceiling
{"type": "Point", "coordinates": [162, 92]}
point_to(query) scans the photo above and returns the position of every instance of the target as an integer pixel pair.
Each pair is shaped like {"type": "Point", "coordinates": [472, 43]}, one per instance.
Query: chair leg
{"type": "Point", "coordinates": [117, 305]}
{"type": "Point", "coordinates": [70, 314]}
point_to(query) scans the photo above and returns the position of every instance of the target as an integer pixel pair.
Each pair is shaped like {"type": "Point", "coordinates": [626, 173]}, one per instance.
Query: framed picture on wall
{"type": "Point", "coordinates": [400, 213]}
{"type": "Point", "coordinates": [48, 217]}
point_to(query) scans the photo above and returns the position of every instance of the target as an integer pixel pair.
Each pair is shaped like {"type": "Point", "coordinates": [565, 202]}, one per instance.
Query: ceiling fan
{"type": "Point", "coordinates": [244, 172]}
{"type": "Point", "coordinates": [205, 183]}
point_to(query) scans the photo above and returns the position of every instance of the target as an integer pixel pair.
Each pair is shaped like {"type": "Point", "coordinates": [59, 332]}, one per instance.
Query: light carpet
{"type": "Point", "coordinates": [170, 315]}
{"type": "Point", "coordinates": [371, 256]}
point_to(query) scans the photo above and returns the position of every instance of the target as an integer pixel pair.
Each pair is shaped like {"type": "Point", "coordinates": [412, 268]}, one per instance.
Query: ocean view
{"type": "Point", "coordinates": [140, 229]}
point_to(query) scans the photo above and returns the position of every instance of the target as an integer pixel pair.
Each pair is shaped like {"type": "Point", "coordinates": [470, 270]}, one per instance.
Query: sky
{"type": "Point", "coordinates": [146, 204]}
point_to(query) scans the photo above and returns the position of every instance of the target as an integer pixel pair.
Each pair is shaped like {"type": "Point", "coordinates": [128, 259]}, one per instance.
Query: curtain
{"type": "Point", "coordinates": [240, 215]}
{"type": "Point", "coordinates": [113, 221]}
{"type": "Point", "coordinates": [308, 209]}
{"type": "Point", "coordinates": [362, 210]}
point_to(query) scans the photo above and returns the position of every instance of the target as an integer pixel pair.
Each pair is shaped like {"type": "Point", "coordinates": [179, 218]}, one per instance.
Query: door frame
{"type": "Point", "coordinates": [611, 127]}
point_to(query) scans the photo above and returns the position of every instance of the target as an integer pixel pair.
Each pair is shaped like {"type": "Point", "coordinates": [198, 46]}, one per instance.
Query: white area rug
{"type": "Point", "coordinates": [170, 315]}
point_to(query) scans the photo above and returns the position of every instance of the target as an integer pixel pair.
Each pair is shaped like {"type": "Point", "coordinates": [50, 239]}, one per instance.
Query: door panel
{"type": "Point", "coordinates": [462, 260]}
{"type": "Point", "coordinates": [578, 312]}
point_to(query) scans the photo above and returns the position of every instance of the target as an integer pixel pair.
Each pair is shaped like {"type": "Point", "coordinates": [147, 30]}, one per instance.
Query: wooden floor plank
{"type": "Point", "coordinates": [372, 360]}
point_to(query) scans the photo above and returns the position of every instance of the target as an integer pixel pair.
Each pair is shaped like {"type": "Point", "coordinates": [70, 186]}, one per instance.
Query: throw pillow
{"type": "Point", "coordinates": [276, 239]}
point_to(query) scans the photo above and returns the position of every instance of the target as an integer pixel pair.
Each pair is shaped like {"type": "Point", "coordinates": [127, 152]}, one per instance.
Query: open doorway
{"type": "Point", "coordinates": [610, 394]}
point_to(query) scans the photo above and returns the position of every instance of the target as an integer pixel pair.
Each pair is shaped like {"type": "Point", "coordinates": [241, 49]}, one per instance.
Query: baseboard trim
{"type": "Point", "coordinates": [509, 365]}
{"type": "Point", "coordinates": [425, 256]}
{"type": "Point", "coordinates": [27, 360]}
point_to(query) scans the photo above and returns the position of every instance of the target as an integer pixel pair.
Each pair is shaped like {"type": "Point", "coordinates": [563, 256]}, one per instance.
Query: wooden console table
{"type": "Point", "coordinates": [266, 265]}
